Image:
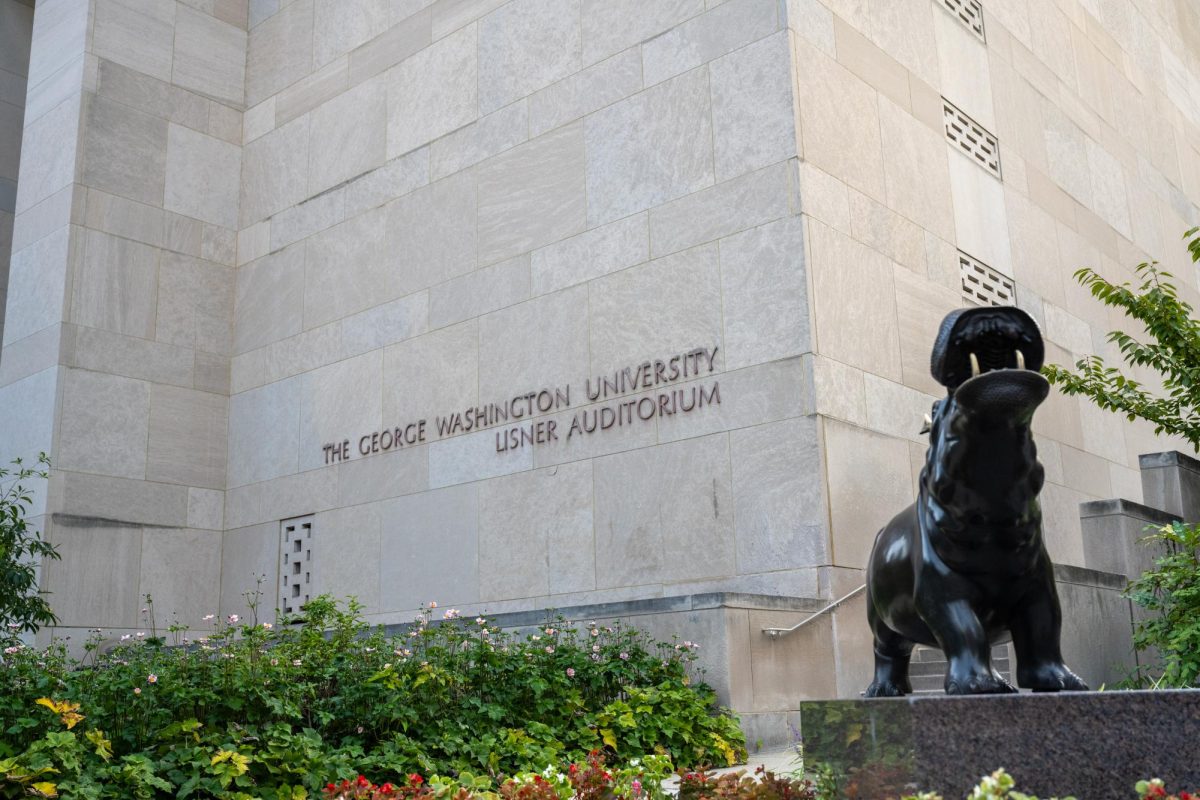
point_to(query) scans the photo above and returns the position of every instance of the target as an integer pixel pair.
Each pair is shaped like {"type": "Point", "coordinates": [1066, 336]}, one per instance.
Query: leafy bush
{"type": "Point", "coordinates": [23, 609]}
{"type": "Point", "coordinates": [1172, 588]}
{"type": "Point", "coordinates": [259, 711]}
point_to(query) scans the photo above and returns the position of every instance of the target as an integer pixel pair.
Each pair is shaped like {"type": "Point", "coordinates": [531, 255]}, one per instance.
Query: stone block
{"type": "Point", "coordinates": [669, 306]}
{"type": "Point", "coordinates": [776, 662]}
{"type": "Point", "coordinates": [920, 307]}
{"type": "Point", "coordinates": [916, 172]}
{"type": "Point", "coordinates": [210, 56]}
{"type": "Point", "coordinates": [203, 177]}
{"type": "Point", "coordinates": [536, 533]}
{"type": "Point", "coordinates": [938, 743]}
{"type": "Point", "coordinates": [181, 596]}
{"type": "Point", "coordinates": [852, 283]}
{"type": "Point", "coordinates": [124, 218]}
{"type": "Point", "coordinates": [754, 122]}
{"type": "Point", "coordinates": [106, 500]}
{"type": "Point", "coordinates": [48, 154]}
{"type": "Point", "coordinates": [532, 195]}
{"type": "Point", "coordinates": [433, 92]}
{"type": "Point", "coordinates": [701, 39]}
{"type": "Point", "coordinates": [87, 597]}
{"type": "Point", "coordinates": [590, 254]}
{"type": "Point", "coordinates": [339, 26]}
{"type": "Point", "coordinates": [779, 504]}
{"type": "Point", "coordinates": [54, 89]}
{"type": "Point", "coordinates": [862, 57]}
{"type": "Point", "coordinates": [1112, 535]}
{"type": "Point", "coordinates": [898, 411]}
{"type": "Point", "coordinates": [1061, 525]}
{"type": "Point", "coordinates": [385, 324]}
{"type": "Point", "coordinates": [312, 90]}
{"type": "Point", "coordinates": [979, 211]}
{"type": "Point", "coordinates": [281, 498]}
{"type": "Point", "coordinates": [37, 280]}
{"type": "Point", "coordinates": [206, 509]}
{"type": "Point", "coordinates": [433, 233]}
{"type": "Point", "coordinates": [720, 210]}
{"type": "Point", "coordinates": [577, 445]}
{"type": "Point", "coordinates": [397, 43]}
{"type": "Point", "coordinates": [442, 526]}
{"type": "Point", "coordinates": [104, 424]}
{"type": "Point", "coordinates": [381, 477]}
{"type": "Point", "coordinates": [339, 401]}
{"type": "Point", "coordinates": [346, 554]}
{"type": "Point", "coordinates": [654, 503]}
{"type": "Point", "coordinates": [764, 290]}
{"type": "Point", "coordinates": [840, 391]}
{"type": "Point", "coordinates": [472, 457]}
{"type": "Point", "coordinates": [259, 120]}
{"type": "Point", "coordinates": [139, 35]}
{"type": "Point", "coordinates": [447, 360]}
{"type": "Point", "coordinates": [16, 28]}
{"type": "Point", "coordinates": [450, 15]}
{"type": "Point", "coordinates": [212, 373]}
{"type": "Point", "coordinates": [897, 237]}
{"type": "Point", "coordinates": [279, 51]}
{"type": "Point", "coordinates": [486, 137]}
{"type": "Point", "coordinates": [187, 437]}
{"type": "Point", "coordinates": [477, 293]}
{"type": "Point", "coordinates": [1066, 153]}
{"type": "Point", "coordinates": [27, 428]}
{"type": "Point", "coordinates": [541, 343]}
{"type": "Point", "coordinates": [347, 136]}
{"type": "Point", "coordinates": [182, 234]}
{"type": "Point", "coordinates": [1034, 247]}
{"type": "Point", "coordinates": [863, 494]}
{"type": "Point", "coordinates": [524, 46]}
{"type": "Point", "coordinates": [311, 216]}
{"type": "Point", "coordinates": [1171, 482]}
{"type": "Point", "coordinates": [36, 352]}
{"type": "Point", "coordinates": [346, 269]}
{"type": "Point", "coordinates": [649, 148]}
{"type": "Point", "coordinates": [268, 292]}
{"type": "Point", "coordinates": [610, 27]}
{"type": "Point", "coordinates": [124, 151]}
{"type": "Point", "coordinates": [586, 91]}
{"type": "Point", "coordinates": [116, 290]}
{"type": "Point", "coordinates": [827, 95]}
{"type": "Point", "coordinates": [963, 69]}
{"type": "Point", "coordinates": [1109, 196]}
{"type": "Point", "coordinates": [59, 36]}
{"type": "Point", "coordinates": [195, 303]}
{"type": "Point", "coordinates": [248, 554]}
{"type": "Point", "coordinates": [264, 427]}
{"type": "Point", "coordinates": [274, 170]}
{"type": "Point", "coordinates": [752, 396]}
{"type": "Point", "coordinates": [394, 179]}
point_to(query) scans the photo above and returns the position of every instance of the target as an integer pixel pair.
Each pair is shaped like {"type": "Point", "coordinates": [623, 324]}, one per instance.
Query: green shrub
{"type": "Point", "coordinates": [23, 609]}
{"type": "Point", "coordinates": [275, 711]}
{"type": "Point", "coordinates": [1171, 592]}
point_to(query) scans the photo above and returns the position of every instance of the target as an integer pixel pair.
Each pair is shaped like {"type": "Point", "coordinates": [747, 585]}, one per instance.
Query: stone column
{"type": "Point", "coordinates": [1171, 482]}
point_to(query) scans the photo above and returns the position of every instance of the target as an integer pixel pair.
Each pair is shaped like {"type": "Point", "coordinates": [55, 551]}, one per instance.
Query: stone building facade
{"type": "Point", "coordinates": [621, 307]}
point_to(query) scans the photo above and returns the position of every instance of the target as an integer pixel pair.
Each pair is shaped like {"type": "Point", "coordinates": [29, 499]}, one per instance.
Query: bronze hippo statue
{"type": "Point", "coordinates": [965, 566]}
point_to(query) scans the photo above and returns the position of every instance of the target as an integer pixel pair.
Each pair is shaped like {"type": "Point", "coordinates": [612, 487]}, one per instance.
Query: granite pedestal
{"type": "Point", "coordinates": [1092, 745]}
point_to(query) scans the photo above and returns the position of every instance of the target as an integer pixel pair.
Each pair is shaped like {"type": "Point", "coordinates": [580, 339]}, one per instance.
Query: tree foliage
{"type": "Point", "coordinates": [23, 607]}
{"type": "Point", "coordinates": [1172, 349]}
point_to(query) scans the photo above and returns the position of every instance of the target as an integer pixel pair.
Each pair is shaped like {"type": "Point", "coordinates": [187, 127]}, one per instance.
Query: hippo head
{"type": "Point", "coordinates": [988, 359]}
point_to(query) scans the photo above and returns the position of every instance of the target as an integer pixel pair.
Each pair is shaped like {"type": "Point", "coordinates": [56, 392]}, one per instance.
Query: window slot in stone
{"type": "Point", "coordinates": [972, 138]}
{"type": "Point", "coordinates": [982, 285]}
{"type": "Point", "coordinates": [295, 548]}
{"type": "Point", "coordinates": [969, 13]}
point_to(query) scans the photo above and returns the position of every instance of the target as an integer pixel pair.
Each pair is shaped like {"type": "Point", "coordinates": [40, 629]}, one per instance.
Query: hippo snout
{"type": "Point", "coordinates": [1008, 394]}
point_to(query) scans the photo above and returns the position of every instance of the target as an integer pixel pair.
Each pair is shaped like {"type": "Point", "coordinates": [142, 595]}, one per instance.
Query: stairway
{"type": "Point", "coordinates": [927, 670]}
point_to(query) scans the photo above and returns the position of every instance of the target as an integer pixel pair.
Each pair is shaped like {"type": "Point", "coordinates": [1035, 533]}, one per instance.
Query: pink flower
{"type": "Point", "coordinates": [433, 603]}
{"type": "Point", "coordinates": [151, 678]}
{"type": "Point", "coordinates": [208, 617]}
{"type": "Point", "coordinates": [137, 690]}
{"type": "Point", "coordinates": [233, 618]}
{"type": "Point", "coordinates": [549, 649]}
{"type": "Point", "coordinates": [267, 625]}
{"type": "Point", "coordinates": [595, 632]}
{"type": "Point", "coordinates": [480, 621]}
{"type": "Point", "coordinates": [451, 613]}
{"type": "Point", "coordinates": [624, 656]}
{"type": "Point", "coordinates": [570, 672]}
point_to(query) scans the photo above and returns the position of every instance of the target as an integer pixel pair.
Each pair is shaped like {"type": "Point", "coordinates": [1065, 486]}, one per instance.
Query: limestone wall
{"type": "Point", "coordinates": [16, 22]}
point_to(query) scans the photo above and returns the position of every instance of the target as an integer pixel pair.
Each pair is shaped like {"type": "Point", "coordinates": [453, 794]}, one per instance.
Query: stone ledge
{"type": "Point", "coordinates": [1095, 747]}
{"type": "Point", "coordinates": [1128, 508]}
{"type": "Point", "coordinates": [1065, 573]}
{"type": "Point", "coordinates": [1170, 458]}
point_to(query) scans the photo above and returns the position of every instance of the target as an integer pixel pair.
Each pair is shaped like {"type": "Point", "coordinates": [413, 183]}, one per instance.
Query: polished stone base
{"type": "Point", "coordinates": [1093, 745]}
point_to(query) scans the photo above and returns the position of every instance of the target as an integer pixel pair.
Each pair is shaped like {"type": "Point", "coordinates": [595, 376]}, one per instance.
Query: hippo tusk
{"type": "Point", "coordinates": [927, 424]}
{"type": "Point", "coordinates": [974, 365]}
{"type": "Point", "coordinates": [1020, 360]}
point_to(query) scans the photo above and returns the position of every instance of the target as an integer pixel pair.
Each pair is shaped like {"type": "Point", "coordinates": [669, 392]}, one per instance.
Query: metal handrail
{"type": "Point", "coordinates": [775, 633]}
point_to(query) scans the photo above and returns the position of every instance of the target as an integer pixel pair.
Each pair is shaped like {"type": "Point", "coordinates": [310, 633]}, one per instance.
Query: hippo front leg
{"type": "Point", "coordinates": [1036, 630]}
{"type": "Point", "coordinates": [966, 646]}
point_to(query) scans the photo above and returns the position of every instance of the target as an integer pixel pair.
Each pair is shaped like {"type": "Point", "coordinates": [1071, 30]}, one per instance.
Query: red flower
{"type": "Point", "coordinates": [362, 781]}
{"type": "Point", "coordinates": [415, 779]}
{"type": "Point", "coordinates": [387, 787]}
{"type": "Point", "coordinates": [574, 768]}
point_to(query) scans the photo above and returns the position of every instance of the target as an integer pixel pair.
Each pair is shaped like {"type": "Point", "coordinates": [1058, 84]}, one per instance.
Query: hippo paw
{"type": "Point", "coordinates": [884, 689]}
{"type": "Point", "coordinates": [979, 684]}
{"type": "Point", "coordinates": [1053, 678]}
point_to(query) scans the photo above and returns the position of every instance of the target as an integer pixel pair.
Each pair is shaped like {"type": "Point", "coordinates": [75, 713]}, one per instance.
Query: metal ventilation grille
{"type": "Point", "coordinates": [969, 13]}
{"type": "Point", "coordinates": [295, 563]}
{"type": "Point", "coordinates": [971, 137]}
{"type": "Point", "coordinates": [983, 285]}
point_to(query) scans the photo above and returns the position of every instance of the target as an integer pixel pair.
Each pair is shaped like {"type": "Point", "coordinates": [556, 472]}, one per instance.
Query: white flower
{"type": "Point", "coordinates": [126, 637]}
{"type": "Point", "coordinates": [267, 625]}
{"type": "Point", "coordinates": [480, 621]}
{"type": "Point", "coordinates": [297, 663]}
{"type": "Point", "coordinates": [209, 617]}
{"type": "Point", "coordinates": [233, 618]}
{"type": "Point", "coordinates": [451, 613]}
